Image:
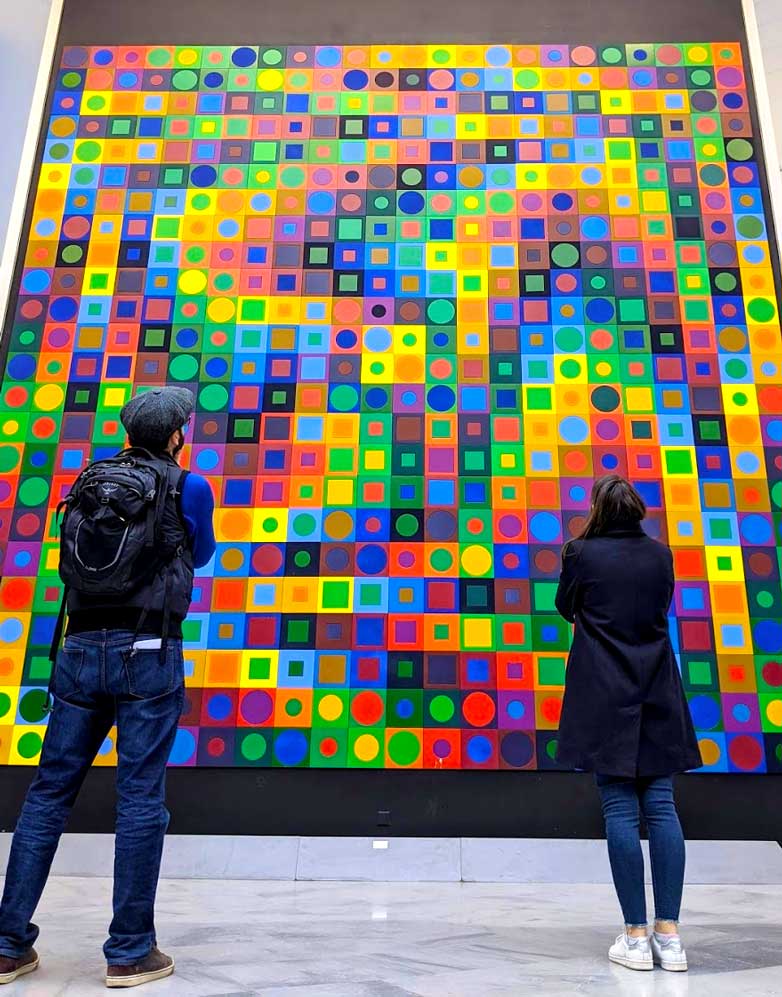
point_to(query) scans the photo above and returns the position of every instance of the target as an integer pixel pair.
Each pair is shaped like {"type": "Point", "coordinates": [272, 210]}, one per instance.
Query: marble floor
{"type": "Point", "coordinates": [236, 939]}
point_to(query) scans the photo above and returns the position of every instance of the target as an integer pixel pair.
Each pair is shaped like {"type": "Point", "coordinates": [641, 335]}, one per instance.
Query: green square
{"type": "Point", "coordinates": [721, 529]}
{"type": "Point", "coordinates": [441, 429]}
{"type": "Point", "coordinates": [724, 562]}
{"type": "Point", "coordinates": [383, 102]}
{"type": "Point", "coordinates": [472, 283]}
{"type": "Point", "coordinates": [676, 429]}
{"type": "Point", "coordinates": [382, 152]}
{"type": "Point", "coordinates": [586, 102]}
{"type": "Point", "coordinates": [498, 102]}
{"type": "Point", "coordinates": [411, 256]}
{"type": "Point", "coordinates": [441, 631]}
{"type": "Point", "coordinates": [696, 311]}
{"type": "Point", "coordinates": [164, 254]}
{"type": "Point", "coordinates": [319, 254]}
{"type": "Point", "coordinates": [408, 460]}
{"type": "Point", "coordinates": [441, 284]}
{"type": "Point", "coordinates": [710, 429]}
{"type": "Point", "coordinates": [501, 150]}
{"type": "Point", "coordinates": [82, 396]}
{"type": "Point", "coordinates": [120, 126]}
{"type": "Point", "coordinates": [632, 310]}
{"type": "Point", "coordinates": [295, 669]}
{"type": "Point", "coordinates": [539, 399]}
{"type": "Point", "coordinates": [244, 429]}
{"type": "Point", "coordinates": [534, 282]}
{"type": "Point", "coordinates": [551, 671]}
{"type": "Point", "coordinates": [656, 227]}
{"type": "Point", "coordinates": [167, 228]}
{"type": "Point", "coordinates": [505, 369]}
{"type": "Point", "coordinates": [154, 337]}
{"type": "Point", "coordinates": [685, 200]}
{"type": "Point", "coordinates": [699, 672]}
{"type": "Point", "coordinates": [621, 150]}
{"type": "Point", "coordinates": [350, 229]}
{"type": "Point", "coordinates": [336, 595]}
{"type": "Point", "coordinates": [260, 669]}
{"type": "Point", "coordinates": [40, 669]}
{"type": "Point", "coordinates": [543, 595]}
{"type": "Point", "coordinates": [99, 281]}
{"type": "Point", "coordinates": [298, 631]}
{"type": "Point", "coordinates": [647, 125]}
{"type": "Point", "coordinates": [474, 461]}
{"type": "Point", "coordinates": [348, 282]}
{"type": "Point", "coordinates": [191, 631]}
{"type": "Point", "coordinates": [667, 339]}
{"type": "Point", "coordinates": [237, 127]}
{"type": "Point", "coordinates": [354, 127]}
{"type": "Point", "coordinates": [508, 493]}
{"type": "Point", "coordinates": [279, 397]}
{"type": "Point", "coordinates": [441, 256]}
{"type": "Point", "coordinates": [307, 491]}
{"type": "Point", "coordinates": [590, 151]}
{"type": "Point", "coordinates": [537, 368]}
{"type": "Point", "coordinates": [678, 462]}
{"type": "Point", "coordinates": [264, 152]}
{"type": "Point", "coordinates": [173, 175]}
{"type": "Point", "coordinates": [341, 459]}
{"type": "Point", "coordinates": [371, 594]}
{"type": "Point", "coordinates": [268, 103]}
{"type": "Point", "coordinates": [253, 310]}
{"type": "Point", "coordinates": [404, 669]}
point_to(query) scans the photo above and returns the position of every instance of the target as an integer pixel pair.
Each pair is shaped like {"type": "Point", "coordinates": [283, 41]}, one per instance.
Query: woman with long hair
{"type": "Point", "coordinates": [625, 716]}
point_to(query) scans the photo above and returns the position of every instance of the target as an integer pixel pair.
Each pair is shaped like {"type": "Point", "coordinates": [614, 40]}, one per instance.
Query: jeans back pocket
{"type": "Point", "coordinates": [150, 675]}
{"type": "Point", "coordinates": [67, 672]}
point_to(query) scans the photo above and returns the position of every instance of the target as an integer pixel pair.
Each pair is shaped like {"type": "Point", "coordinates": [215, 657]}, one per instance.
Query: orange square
{"type": "Point", "coordinates": [626, 228]}
{"type": "Point", "coordinates": [228, 594]}
{"type": "Point", "coordinates": [374, 492]}
{"type": "Point", "coordinates": [543, 494]}
{"type": "Point", "coordinates": [689, 563]}
{"type": "Point", "coordinates": [222, 667]}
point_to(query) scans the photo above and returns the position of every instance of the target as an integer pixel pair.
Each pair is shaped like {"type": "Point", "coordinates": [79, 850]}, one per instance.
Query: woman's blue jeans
{"type": "Point", "coordinates": [624, 801]}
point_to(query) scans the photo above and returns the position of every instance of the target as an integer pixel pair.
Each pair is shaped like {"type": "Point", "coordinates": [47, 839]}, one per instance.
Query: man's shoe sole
{"type": "Point", "coordinates": [125, 982]}
{"type": "Point", "coordinates": [23, 971]}
{"type": "Point", "coordinates": [631, 964]}
{"type": "Point", "coordinates": [673, 967]}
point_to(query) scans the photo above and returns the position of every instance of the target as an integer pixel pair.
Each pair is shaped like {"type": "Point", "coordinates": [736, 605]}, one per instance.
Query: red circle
{"type": "Point", "coordinates": [216, 747]}
{"type": "Point", "coordinates": [328, 747]}
{"type": "Point", "coordinates": [367, 708]}
{"type": "Point", "coordinates": [474, 525]}
{"type": "Point", "coordinates": [576, 525]}
{"type": "Point", "coordinates": [31, 308]}
{"type": "Point", "coordinates": [510, 561]}
{"type": "Point", "coordinates": [770, 399]}
{"type": "Point", "coordinates": [566, 283]}
{"type": "Point", "coordinates": [479, 709]}
{"type": "Point", "coordinates": [575, 461]}
{"type": "Point", "coordinates": [743, 174]}
{"type": "Point", "coordinates": [211, 426]}
{"type": "Point", "coordinates": [546, 561]}
{"type": "Point", "coordinates": [373, 524]}
{"type": "Point", "coordinates": [772, 673]}
{"type": "Point", "coordinates": [267, 559]}
{"type": "Point", "coordinates": [17, 593]}
{"type": "Point", "coordinates": [28, 524]}
{"type": "Point", "coordinates": [189, 309]}
{"type": "Point", "coordinates": [745, 752]}
{"type": "Point", "coordinates": [17, 396]}
{"type": "Point", "coordinates": [551, 708]}
{"type": "Point", "coordinates": [43, 427]}
{"type": "Point", "coordinates": [601, 339]}
{"type": "Point", "coordinates": [760, 564]}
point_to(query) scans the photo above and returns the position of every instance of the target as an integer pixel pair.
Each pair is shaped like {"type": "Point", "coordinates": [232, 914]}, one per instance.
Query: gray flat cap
{"type": "Point", "coordinates": [152, 416]}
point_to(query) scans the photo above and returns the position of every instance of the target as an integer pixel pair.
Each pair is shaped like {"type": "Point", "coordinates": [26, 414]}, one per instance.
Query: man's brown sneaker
{"type": "Point", "coordinates": [156, 966]}
{"type": "Point", "coordinates": [12, 969]}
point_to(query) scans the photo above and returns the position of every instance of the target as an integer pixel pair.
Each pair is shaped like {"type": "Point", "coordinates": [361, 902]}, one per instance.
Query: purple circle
{"type": "Point", "coordinates": [729, 76]}
{"type": "Point", "coordinates": [607, 429]}
{"type": "Point", "coordinates": [440, 525]}
{"type": "Point", "coordinates": [564, 228]}
{"type": "Point", "coordinates": [736, 125]}
{"type": "Point", "coordinates": [5, 490]}
{"type": "Point", "coordinates": [337, 559]}
{"type": "Point", "coordinates": [715, 201]}
{"type": "Point", "coordinates": [703, 100]}
{"type": "Point", "coordinates": [407, 559]}
{"type": "Point", "coordinates": [256, 707]}
{"type": "Point", "coordinates": [226, 254]}
{"type": "Point", "coordinates": [510, 526]}
{"type": "Point", "coordinates": [532, 202]}
{"type": "Point", "coordinates": [441, 748]}
{"type": "Point", "coordinates": [58, 337]}
{"type": "Point", "coordinates": [322, 176]}
{"type": "Point", "coordinates": [722, 253]}
{"type": "Point", "coordinates": [74, 57]}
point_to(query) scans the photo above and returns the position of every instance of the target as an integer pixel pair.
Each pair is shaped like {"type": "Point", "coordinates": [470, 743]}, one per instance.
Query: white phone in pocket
{"type": "Point", "coordinates": [152, 644]}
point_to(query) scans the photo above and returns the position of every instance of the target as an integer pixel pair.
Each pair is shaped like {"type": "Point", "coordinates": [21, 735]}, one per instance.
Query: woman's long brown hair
{"type": "Point", "coordinates": [614, 502]}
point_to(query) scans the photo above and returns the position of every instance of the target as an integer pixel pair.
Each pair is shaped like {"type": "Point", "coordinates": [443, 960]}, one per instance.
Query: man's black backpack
{"type": "Point", "coordinates": [110, 543]}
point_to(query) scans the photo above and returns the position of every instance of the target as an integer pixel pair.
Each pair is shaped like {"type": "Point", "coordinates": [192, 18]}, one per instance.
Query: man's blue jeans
{"type": "Point", "coordinates": [623, 802]}
{"type": "Point", "coordinates": [98, 683]}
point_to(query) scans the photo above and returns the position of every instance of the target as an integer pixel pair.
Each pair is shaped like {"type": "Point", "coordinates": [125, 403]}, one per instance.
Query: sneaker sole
{"type": "Point", "coordinates": [673, 967]}
{"type": "Point", "coordinates": [11, 977]}
{"type": "Point", "coordinates": [125, 982]}
{"type": "Point", "coordinates": [630, 964]}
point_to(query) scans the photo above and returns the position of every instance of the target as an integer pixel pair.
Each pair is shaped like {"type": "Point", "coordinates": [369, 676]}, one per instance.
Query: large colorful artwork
{"type": "Point", "coordinates": [424, 296]}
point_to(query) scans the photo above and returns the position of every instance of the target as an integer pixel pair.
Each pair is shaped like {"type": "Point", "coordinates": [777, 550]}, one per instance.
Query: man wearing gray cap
{"type": "Point", "coordinates": [122, 664]}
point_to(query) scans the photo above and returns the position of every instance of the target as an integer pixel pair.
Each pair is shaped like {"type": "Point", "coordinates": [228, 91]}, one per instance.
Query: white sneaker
{"type": "Point", "coordinates": [668, 952]}
{"type": "Point", "coordinates": [631, 952]}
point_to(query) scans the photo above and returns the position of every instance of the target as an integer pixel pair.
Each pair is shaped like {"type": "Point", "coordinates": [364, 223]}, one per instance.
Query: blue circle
{"type": "Point", "coordinates": [753, 254]}
{"type": "Point", "coordinates": [213, 79]}
{"type": "Point", "coordinates": [544, 527]}
{"type": "Point", "coordinates": [768, 636]}
{"type": "Point", "coordinates": [183, 749]}
{"type": "Point", "coordinates": [591, 175]}
{"type": "Point", "coordinates": [733, 101]}
{"type": "Point", "coordinates": [769, 369]}
{"type": "Point", "coordinates": [705, 712]}
{"type": "Point", "coordinates": [516, 709]}
{"type": "Point", "coordinates": [128, 79]}
{"type": "Point", "coordinates": [228, 228]}
{"type": "Point", "coordinates": [574, 429]}
{"type": "Point", "coordinates": [411, 202]}
{"type": "Point", "coordinates": [36, 281]}
{"type": "Point", "coordinates": [405, 709]}
{"type": "Point", "coordinates": [640, 54]}
{"type": "Point", "coordinates": [409, 398]}
{"type": "Point", "coordinates": [207, 460]}
{"type": "Point", "coordinates": [774, 427]}
{"type": "Point", "coordinates": [577, 493]}
{"type": "Point", "coordinates": [219, 707]}
{"type": "Point", "coordinates": [321, 202]}
{"type": "Point", "coordinates": [642, 77]}
{"type": "Point", "coordinates": [562, 202]}
{"type": "Point", "coordinates": [21, 367]}
{"type": "Point", "coordinates": [555, 56]}
{"type": "Point", "coordinates": [742, 713]}
{"type": "Point", "coordinates": [106, 747]}
{"type": "Point", "coordinates": [291, 747]}
{"type": "Point", "coordinates": [260, 202]}
{"type": "Point", "coordinates": [371, 559]}
{"type": "Point", "coordinates": [22, 558]}
{"type": "Point", "coordinates": [747, 462]}
{"type": "Point", "coordinates": [346, 339]}
{"type": "Point", "coordinates": [517, 749]}
{"type": "Point", "coordinates": [64, 309]}
{"type": "Point", "coordinates": [479, 749]}
{"type": "Point", "coordinates": [38, 459]}
{"type": "Point", "coordinates": [756, 530]}
{"type": "Point", "coordinates": [377, 339]}
{"type": "Point", "coordinates": [103, 58]}
{"type": "Point", "coordinates": [441, 398]}
{"type": "Point", "coordinates": [328, 57]}
{"type": "Point", "coordinates": [186, 338]}
{"type": "Point", "coordinates": [244, 57]}
{"type": "Point", "coordinates": [355, 79]}
{"type": "Point", "coordinates": [376, 398]}
{"type": "Point", "coordinates": [609, 461]}
{"type": "Point", "coordinates": [46, 226]}
{"type": "Point", "coordinates": [719, 228]}
{"type": "Point", "coordinates": [497, 55]}
{"type": "Point", "coordinates": [216, 366]}
{"type": "Point", "coordinates": [203, 176]}
{"type": "Point", "coordinates": [441, 339]}
{"type": "Point", "coordinates": [594, 227]}
{"type": "Point", "coordinates": [599, 310]}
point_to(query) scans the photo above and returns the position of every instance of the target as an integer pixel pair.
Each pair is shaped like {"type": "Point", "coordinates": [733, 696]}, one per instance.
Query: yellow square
{"type": "Point", "coordinates": [639, 399]}
{"type": "Point", "coordinates": [114, 397]}
{"type": "Point", "coordinates": [406, 595]}
{"type": "Point", "coordinates": [478, 633]}
{"type": "Point", "coordinates": [207, 127]}
{"type": "Point", "coordinates": [374, 460]}
{"type": "Point", "coordinates": [655, 201]}
{"type": "Point", "coordinates": [693, 282]}
{"type": "Point", "coordinates": [471, 228]}
{"type": "Point", "coordinates": [340, 492]}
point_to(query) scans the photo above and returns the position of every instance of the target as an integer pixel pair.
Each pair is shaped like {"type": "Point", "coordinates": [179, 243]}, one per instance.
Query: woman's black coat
{"type": "Point", "coordinates": [624, 712]}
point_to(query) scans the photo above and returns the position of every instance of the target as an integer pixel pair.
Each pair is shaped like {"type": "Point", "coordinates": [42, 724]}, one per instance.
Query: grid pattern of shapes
{"type": "Point", "coordinates": [424, 295]}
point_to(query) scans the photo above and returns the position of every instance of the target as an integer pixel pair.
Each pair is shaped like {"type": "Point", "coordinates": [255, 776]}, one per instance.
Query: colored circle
{"type": "Point", "coordinates": [544, 527]}
{"type": "Point", "coordinates": [479, 709]}
{"type": "Point", "coordinates": [517, 749]}
{"type": "Point", "coordinates": [32, 706]}
{"type": "Point", "coordinates": [291, 747]}
{"type": "Point", "coordinates": [29, 745]}
{"type": "Point", "coordinates": [739, 149]}
{"type": "Point", "coordinates": [442, 709]}
{"type": "Point", "coordinates": [479, 749]}
{"type": "Point", "coordinates": [773, 712]}
{"type": "Point", "coordinates": [745, 752]}
{"type": "Point", "coordinates": [761, 310]}
{"type": "Point", "coordinates": [476, 560]}
{"type": "Point", "coordinates": [705, 711]}
{"type": "Point", "coordinates": [366, 747]}
{"type": "Point", "coordinates": [254, 747]}
{"type": "Point", "coordinates": [331, 708]}
{"type": "Point", "coordinates": [710, 751]}
{"type": "Point", "coordinates": [404, 748]}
